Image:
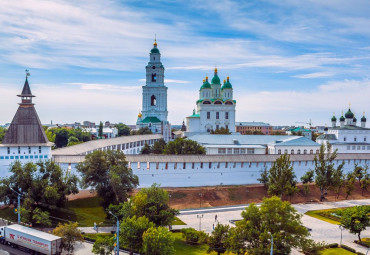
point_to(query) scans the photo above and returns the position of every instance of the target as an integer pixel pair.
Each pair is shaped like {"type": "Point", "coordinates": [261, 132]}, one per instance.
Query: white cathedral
{"type": "Point", "coordinates": [154, 98]}
{"type": "Point", "coordinates": [215, 107]}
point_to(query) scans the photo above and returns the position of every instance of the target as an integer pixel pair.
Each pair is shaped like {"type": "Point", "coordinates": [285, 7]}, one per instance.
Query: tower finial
{"type": "Point", "coordinates": [155, 40]}
{"type": "Point", "coordinates": [215, 70]}
{"type": "Point", "coordinates": [27, 73]}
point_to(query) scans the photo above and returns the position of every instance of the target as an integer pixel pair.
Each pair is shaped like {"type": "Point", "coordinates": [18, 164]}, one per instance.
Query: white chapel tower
{"type": "Point", "coordinates": [154, 105]}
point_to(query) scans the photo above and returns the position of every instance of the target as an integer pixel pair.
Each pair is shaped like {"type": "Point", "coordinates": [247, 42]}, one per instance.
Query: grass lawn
{"type": "Point", "coordinates": [366, 241]}
{"type": "Point", "coordinates": [181, 247]}
{"type": "Point", "coordinates": [318, 215]}
{"type": "Point", "coordinates": [177, 221]}
{"type": "Point", "coordinates": [336, 251]}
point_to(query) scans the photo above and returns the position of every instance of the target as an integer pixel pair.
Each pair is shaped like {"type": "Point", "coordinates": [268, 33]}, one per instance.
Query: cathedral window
{"type": "Point", "coordinates": [279, 151]}
{"type": "Point", "coordinates": [299, 152]}
{"type": "Point", "coordinates": [154, 77]}
{"type": "Point", "coordinates": [39, 149]}
{"type": "Point", "coordinates": [227, 115]}
{"type": "Point", "coordinates": [218, 102]}
{"type": "Point", "coordinates": [355, 139]}
{"type": "Point", "coordinates": [292, 152]}
{"type": "Point", "coordinates": [8, 150]}
{"type": "Point", "coordinates": [304, 151]}
{"type": "Point", "coordinates": [365, 139]}
{"type": "Point", "coordinates": [208, 116]}
{"type": "Point", "coordinates": [227, 126]}
{"type": "Point", "coordinates": [217, 115]}
{"type": "Point", "coordinates": [153, 101]}
{"type": "Point", "coordinates": [217, 127]}
{"type": "Point", "coordinates": [19, 150]}
{"type": "Point", "coordinates": [229, 103]}
{"type": "Point", "coordinates": [344, 139]}
{"type": "Point", "coordinates": [29, 150]}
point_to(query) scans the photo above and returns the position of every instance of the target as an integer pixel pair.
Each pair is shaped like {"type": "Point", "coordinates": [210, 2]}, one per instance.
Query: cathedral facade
{"type": "Point", "coordinates": [215, 107]}
{"type": "Point", "coordinates": [154, 97]}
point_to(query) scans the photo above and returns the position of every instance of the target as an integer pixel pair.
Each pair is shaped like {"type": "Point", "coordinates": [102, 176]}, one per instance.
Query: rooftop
{"type": "Point", "coordinates": [252, 124]}
{"type": "Point", "coordinates": [349, 127]}
{"type": "Point", "coordinates": [33, 232]}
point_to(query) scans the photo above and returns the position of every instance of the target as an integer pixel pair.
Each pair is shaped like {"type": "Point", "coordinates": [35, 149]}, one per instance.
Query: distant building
{"type": "Point", "coordinates": [347, 137]}
{"type": "Point", "coordinates": [154, 98]}
{"type": "Point", "coordinates": [300, 131]}
{"type": "Point", "coordinates": [215, 107]}
{"type": "Point", "coordinates": [248, 128]}
{"type": "Point", "coordinates": [25, 139]}
{"type": "Point", "coordinates": [107, 132]}
{"type": "Point", "coordinates": [256, 144]}
{"type": "Point", "coordinates": [89, 124]}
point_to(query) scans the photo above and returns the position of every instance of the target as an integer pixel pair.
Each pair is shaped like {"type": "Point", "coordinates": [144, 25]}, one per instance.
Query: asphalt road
{"type": "Point", "coordinates": [12, 251]}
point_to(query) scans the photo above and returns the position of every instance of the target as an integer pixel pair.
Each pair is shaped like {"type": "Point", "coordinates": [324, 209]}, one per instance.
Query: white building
{"type": "Point", "coordinates": [154, 98]}
{"type": "Point", "coordinates": [255, 144]}
{"type": "Point", "coordinates": [300, 130]}
{"type": "Point", "coordinates": [215, 107]}
{"type": "Point", "coordinates": [108, 132]}
{"type": "Point", "coordinates": [25, 139]}
{"type": "Point", "coordinates": [347, 137]}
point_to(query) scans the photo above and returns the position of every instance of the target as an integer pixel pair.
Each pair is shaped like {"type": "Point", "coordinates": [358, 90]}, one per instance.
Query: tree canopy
{"type": "Point", "coordinates": [184, 146]}
{"type": "Point", "coordinates": [158, 241]}
{"type": "Point", "coordinates": [356, 219]}
{"type": "Point", "coordinates": [67, 137]}
{"type": "Point", "coordinates": [275, 217]}
{"type": "Point", "coordinates": [108, 173]}
{"type": "Point", "coordinates": [2, 133]}
{"type": "Point", "coordinates": [70, 235]}
{"type": "Point", "coordinates": [123, 130]}
{"type": "Point", "coordinates": [44, 186]}
{"type": "Point", "coordinates": [325, 169]}
{"type": "Point", "coordinates": [218, 239]}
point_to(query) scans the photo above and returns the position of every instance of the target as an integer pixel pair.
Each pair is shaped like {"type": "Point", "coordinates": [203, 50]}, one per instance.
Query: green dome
{"type": "Point", "coordinates": [215, 79]}
{"type": "Point", "coordinates": [154, 50]}
{"type": "Point", "coordinates": [342, 118]}
{"type": "Point", "coordinates": [354, 119]}
{"type": "Point", "coordinates": [333, 118]}
{"type": "Point", "coordinates": [227, 84]}
{"type": "Point", "coordinates": [363, 119]}
{"type": "Point", "coordinates": [349, 114]}
{"type": "Point", "coordinates": [206, 84]}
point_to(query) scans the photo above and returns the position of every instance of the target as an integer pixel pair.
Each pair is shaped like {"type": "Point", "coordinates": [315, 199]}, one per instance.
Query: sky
{"type": "Point", "coordinates": [289, 61]}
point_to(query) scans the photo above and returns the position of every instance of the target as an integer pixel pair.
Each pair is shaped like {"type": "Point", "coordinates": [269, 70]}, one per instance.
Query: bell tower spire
{"type": "Point", "coordinates": [26, 95]}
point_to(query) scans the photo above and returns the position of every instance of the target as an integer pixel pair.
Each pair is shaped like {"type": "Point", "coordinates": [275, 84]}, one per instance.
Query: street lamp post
{"type": "Point", "coordinates": [341, 229]}
{"type": "Point", "coordinates": [117, 233]}
{"type": "Point", "coordinates": [272, 244]}
{"type": "Point", "coordinates": [200, 221]}
{"type": "Point", "coordinates": [19, 205]}
{"type": "Point", "coordinates": [200, 200]}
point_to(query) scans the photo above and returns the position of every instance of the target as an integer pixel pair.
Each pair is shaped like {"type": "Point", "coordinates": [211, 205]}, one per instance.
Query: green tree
{"type": "Point", "coordinates": [281, 178]}
{"type": "Point", "coordinates": [358, 172]}
{"type": "Point", "coordinates": [337, 181]}
{"type": "Point", "coordinates": [325, 168]}
{"type": "Point", "coordinates": [107, 172]}
{"type": "Point", "coordinates": [2, 133]}
{"type": "Point", "coordinates": [103, 246]}
{"type": "Point", "coordinates": [82, 136]}
{"type": "Point", "coordinates": [153, 203]}
{"type": "Point", "coordinates": [184, 146]}
{"type": "Point", "coordinates": [100, 131]}
{"type": "Point", "coordinates": [365, 181]}
{"type": "Point", "coordinates": [132, 230]}
{"type": "Point", "coordinates": [306, 179]}
{"type": "Point", "coordinates": [159, 146]}
{"type": "Point", "coordinates": [61, 137]}
{"type": "Point", "coordinates": [221, 131]}
{"type": "Point", "coordinates": [123, 130]}
{"type": "Point", "coordinates": [158, 241]}
{"type": "Point", "coordinates": [235, 241]}
{"type": "Point", "coordinates": [44, 187]}
{"type": "Point", "coordinates": [70, 234]}
{"type": "Point", "coordinates": [72, 140]}
{"type": "Point", "coordinates": [146, 149]}
{"type": "Point", "coordinates": [264, 177]}
{"type": "Point", "coordinates": [142, 131]}
{"type": "Point", "coordinates": [356, 219]}
{"type": "Point", "coordinates": [217, 241]}
{"type": "Point", "coordinates": [349, 184]}
{"type": "Point", "coordinates": [274, 216]}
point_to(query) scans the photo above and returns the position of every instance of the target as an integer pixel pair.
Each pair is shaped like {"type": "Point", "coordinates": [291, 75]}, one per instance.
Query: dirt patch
{"type": "Point", "coordinates": [184, 198]}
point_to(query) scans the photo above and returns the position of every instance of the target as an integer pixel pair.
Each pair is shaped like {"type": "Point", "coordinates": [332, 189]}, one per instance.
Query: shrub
{"type": "Point", "coordinates": [191, 235]}
{"type": "Point", "coordinates": [360, 253]}
{"type": "Point", "coordinates": [333, 245]}
{"type": "Point", "coordinates": [362, 243]}
{"type": "Point", "coordinates": [348, 248]}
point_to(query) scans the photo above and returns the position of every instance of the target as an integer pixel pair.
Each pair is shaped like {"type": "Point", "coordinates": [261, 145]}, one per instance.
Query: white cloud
{"type": "Point", "coordinates": [314, 75]}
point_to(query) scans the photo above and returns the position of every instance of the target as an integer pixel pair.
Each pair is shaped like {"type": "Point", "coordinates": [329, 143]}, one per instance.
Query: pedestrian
{"type": "Point", "coordinates": [213, 226]}
{"type": "Point", "coordinates": [216, 218]}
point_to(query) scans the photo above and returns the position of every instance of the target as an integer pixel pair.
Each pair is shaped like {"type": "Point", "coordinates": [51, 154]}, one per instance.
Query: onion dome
{"type": "Point", "coordinates": [215, 79]}
{"type": "Point", "coordinates": [349, 114]}
{"type": "Point", "coordinates": [333, 118]}
{"type": "Point", "coordinates": [227, 84]}
{"type": "Point", "coordinates": [139, 115]}
{"type": "Point", "coordinates": [354, 119]}
{"type": "Point", "coordinates": [342, 118]}
{"type": "Point", "coordinates": [155, 49]}
{"type": "Point", "coordinates": [206, 84]}
{"type": "Point", "coordinates": [363, 119]}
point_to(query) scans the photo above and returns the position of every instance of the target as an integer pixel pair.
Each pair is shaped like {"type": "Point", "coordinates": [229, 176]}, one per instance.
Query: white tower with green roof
{"type": "Point", "coordinates": [215, 107]}
{"type": "Point", "coordinates": [154, 97]}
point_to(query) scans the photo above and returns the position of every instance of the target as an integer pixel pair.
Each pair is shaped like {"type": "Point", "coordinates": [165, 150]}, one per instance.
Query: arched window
{"type": "Point", "coordinates": [153, 101]}
{"type": "Point", "coordinates": [292, 152]}
{"type": "Point", "coordinates": [285, 151]}
{"type": "Point", "coordinates": [229, 103]}
{"type": "Point", "coordinates": [299, 152]}
{"type": "Point", "coordinates": [279, 151]}
{"type": "Point", "coordinates": [206, 102]}
{"type": "Point", "coordinates": [311, 151]}
{"type": "Point", "coordinates": [317, 151]}
{"type": "Point", "coordinates": [218, 102]}
{"type": "Point", "coordinates": [305, 152]}
{"type": "Point", "coordinates": [154, 77]}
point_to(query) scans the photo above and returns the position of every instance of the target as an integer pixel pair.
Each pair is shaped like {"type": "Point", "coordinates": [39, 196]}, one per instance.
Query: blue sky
{"type": "Point", "coordinates": [288, 61]}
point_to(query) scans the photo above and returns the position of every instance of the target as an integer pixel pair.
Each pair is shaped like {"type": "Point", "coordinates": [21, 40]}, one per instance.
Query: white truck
{"type": "Point", "coordinates": [30, 240]}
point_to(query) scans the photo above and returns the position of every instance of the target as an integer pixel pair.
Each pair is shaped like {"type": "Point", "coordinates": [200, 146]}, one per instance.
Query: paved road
{"type": "Point", "coordinates": [321, 230]}
{"type": "Point", "coordinates": [12, 251]}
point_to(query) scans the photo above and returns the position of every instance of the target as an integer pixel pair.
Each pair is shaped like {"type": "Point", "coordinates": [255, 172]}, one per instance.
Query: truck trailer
{"type": "Point", "coordinates": [30, 240]}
